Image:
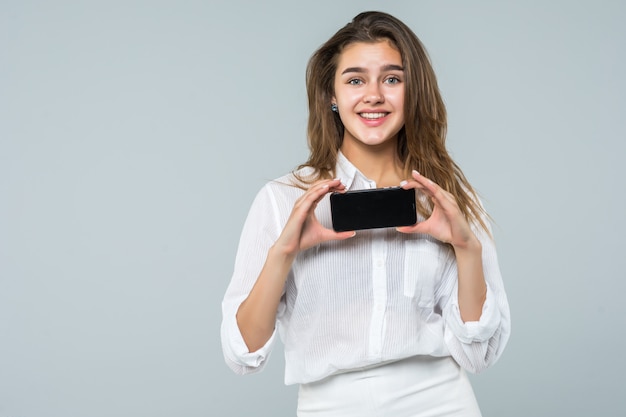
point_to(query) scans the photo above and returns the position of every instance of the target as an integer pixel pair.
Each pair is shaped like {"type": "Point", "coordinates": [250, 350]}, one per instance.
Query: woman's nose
{"type": "Point", "coordinates": [373, 94]}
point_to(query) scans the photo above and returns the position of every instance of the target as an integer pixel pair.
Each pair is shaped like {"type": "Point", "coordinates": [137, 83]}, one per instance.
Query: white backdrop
{"type": "Point", "coordinates": [134, 135]}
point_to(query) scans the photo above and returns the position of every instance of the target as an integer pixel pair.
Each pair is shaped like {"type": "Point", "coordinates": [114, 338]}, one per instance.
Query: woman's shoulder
{"type": "Point", "coordinates": [299, 179]}
{"type": "Point", "coordinates": [289, 186]}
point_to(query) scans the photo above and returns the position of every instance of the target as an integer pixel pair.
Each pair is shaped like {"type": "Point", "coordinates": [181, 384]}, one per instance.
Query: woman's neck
{"type": "Point", "coordinates": [378, 163]}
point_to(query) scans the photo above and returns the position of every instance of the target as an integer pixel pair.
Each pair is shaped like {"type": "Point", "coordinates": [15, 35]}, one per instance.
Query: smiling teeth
{"type": "Point", "coordinates": [373, 115]}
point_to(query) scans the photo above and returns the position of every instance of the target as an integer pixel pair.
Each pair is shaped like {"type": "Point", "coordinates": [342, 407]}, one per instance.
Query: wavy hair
{"type": "Point", "coordinates": [421, 141]}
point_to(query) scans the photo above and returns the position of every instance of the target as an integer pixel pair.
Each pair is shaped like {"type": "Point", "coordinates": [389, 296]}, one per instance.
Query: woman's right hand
{"type": "Point", "coordinates": [256, 316]}
{"type": "Point", "coordinates": [303, 230]}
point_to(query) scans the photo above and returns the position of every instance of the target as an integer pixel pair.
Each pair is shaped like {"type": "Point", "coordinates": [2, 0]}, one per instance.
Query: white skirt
{"type": "Point", "coordinates": [419, 386]}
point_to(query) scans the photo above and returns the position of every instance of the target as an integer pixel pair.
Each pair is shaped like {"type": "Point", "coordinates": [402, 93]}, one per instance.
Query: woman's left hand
{"type": "Point", "coordinates": [446, 222]}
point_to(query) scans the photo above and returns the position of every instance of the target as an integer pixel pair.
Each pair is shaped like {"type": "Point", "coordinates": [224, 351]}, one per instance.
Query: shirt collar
{"type": "Point", "coordinates": [348, 174]}
{"type": "Point", "coordinates": [345, 171]}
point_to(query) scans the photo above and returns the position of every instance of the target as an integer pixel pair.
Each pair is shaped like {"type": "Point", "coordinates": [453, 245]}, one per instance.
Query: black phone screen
{"type": "Point", "coordinates": [373, 208]}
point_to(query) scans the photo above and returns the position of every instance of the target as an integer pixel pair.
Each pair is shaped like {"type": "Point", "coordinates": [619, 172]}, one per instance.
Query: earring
{"type": "Point", "coordinates": [334, 107]}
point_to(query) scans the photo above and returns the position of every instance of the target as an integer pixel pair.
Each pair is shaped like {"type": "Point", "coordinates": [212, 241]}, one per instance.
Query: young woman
{"type": "Point", "coordinates": [380, 322]}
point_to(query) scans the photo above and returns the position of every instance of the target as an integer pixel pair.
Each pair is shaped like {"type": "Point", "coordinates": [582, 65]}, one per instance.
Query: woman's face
{"type": "Point", "coordinates": [369, 93]}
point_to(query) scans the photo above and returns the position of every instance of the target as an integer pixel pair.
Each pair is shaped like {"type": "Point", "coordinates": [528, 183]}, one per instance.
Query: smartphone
{"type": "Point", "coordinates": [373, 208]}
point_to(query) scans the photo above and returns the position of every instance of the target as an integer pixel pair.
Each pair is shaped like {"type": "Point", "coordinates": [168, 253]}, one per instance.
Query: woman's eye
{"type": "Point", "coordinates": [355, 82]}
{"type": "Point", "coordinates": [392, 80]}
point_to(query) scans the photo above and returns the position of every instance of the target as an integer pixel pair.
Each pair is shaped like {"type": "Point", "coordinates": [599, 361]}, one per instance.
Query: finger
{"type": "Point", "coordinates": [332, 235]}
{"type": "Point", "coordinates": [406, 229]}
{"type": "Point", "coordinates": [433, 190]}
{"type": "Point", "coordinates": [320, 188]}
{"type": "Point", "coordinates": [337, 184]}
{"type": "Point", "coordinates": [426, 183]}
{"type": "Point", "coordinates": [412, 184]}
{"type": "Point", "coordinates": [329, 185]}
{"type": "Point", "coordinates": [324, 188]}
{"type": "Point", "coordinates": [420, 227]}
{"type": "Point", "coordinates": [428, 228]}
{"type": "Point", "coordinates": [309, 200]}
{"type": "Point", "coordinates": [407, 185]}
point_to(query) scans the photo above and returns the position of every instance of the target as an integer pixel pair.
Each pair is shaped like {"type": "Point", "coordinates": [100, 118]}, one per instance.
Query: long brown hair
{"type": "Point", "coordinates": [421, 142]}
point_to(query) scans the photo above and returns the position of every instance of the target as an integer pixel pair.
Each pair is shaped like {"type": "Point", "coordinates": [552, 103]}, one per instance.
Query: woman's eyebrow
{"type": "Point", "coordinates": [393, 67]}
{"type": "Point", "coordinates": [389, 67]}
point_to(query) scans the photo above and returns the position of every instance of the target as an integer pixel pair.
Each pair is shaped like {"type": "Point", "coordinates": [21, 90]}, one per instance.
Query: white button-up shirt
{"type": "Point", "coordinates": [377, 297]}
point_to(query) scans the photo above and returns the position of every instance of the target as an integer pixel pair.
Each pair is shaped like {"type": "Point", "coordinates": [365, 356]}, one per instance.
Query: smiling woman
{"type": "Point", "coordinates": [369, 94]}
{"type": "Point", "coordinates": [382, 322]}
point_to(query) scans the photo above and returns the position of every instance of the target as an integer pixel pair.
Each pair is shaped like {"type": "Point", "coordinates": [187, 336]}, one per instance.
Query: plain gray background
{"type": "Point", "coordinates": [135, 134]}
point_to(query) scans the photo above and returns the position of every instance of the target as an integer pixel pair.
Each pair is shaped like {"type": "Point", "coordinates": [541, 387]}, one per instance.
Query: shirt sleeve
{"type": "Point", "coordinates": [259, 232]}
{"type": "Point", "coordinates": [476, 345]}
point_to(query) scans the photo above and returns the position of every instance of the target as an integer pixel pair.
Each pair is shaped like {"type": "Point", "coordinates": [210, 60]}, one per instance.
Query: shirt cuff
{"type": "Point", "coordinates": [238, 352]}
{"type": "Point", "coordinates": [475, 331]}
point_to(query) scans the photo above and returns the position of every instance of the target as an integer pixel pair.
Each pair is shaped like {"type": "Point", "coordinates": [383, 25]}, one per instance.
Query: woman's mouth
{"type": "Point", "coordinates": [373, 116]}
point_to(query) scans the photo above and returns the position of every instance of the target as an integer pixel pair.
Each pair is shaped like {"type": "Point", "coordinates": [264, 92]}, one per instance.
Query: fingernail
{"type": "Point", "coordinates": [338, 179]}
{"type": "Point", "coordinates": [403, 182]}
{"type": "Point", "coordinates": [415, 172]}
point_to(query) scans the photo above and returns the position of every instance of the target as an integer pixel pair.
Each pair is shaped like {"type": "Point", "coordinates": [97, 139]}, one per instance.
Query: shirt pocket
{"type": "Point", "coordinates": [422, 268]}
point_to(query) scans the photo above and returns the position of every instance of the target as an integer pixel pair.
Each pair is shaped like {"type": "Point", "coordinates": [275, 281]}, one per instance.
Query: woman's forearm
{"type": "Point", "coordinates": [256, 316]}
{"type": "Point", "coordinates": [472, 286]}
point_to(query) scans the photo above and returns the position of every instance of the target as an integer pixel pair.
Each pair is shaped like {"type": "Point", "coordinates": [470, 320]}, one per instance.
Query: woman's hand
{"type": "Point", "coordinates": [303, 230]}
{"type": "Point", "coordinates": [256, 316]}
{"type": "Point", "coordinates": [446, 222]}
